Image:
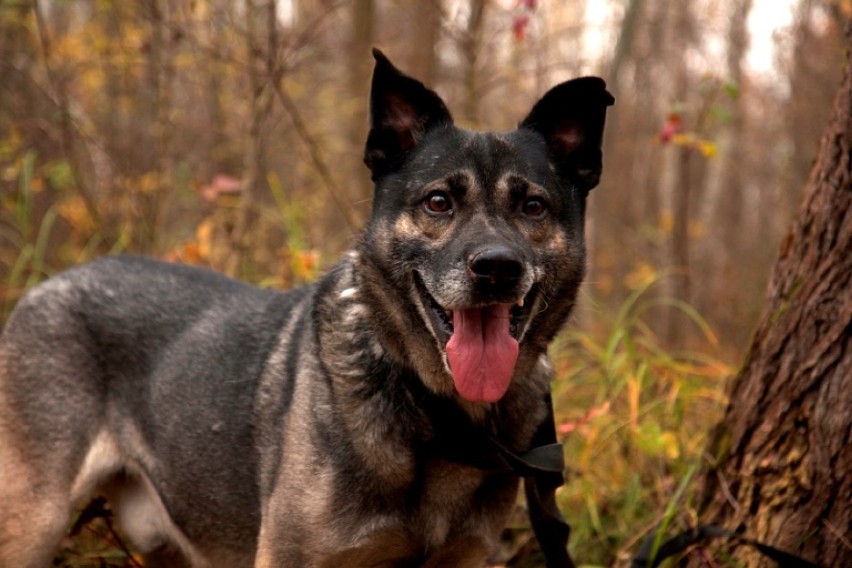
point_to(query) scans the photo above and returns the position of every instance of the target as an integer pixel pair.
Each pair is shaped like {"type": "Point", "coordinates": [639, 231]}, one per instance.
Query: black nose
{"type": "Point", "coordinates": [496, 265]}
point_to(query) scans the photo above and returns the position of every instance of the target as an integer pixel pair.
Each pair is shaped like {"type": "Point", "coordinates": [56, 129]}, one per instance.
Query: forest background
{"type": "Point", "coordinates": [230, 135]}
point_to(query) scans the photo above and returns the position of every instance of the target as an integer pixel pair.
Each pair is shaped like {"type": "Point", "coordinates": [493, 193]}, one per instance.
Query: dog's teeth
{"type": "Point", "coordinates": [520, 303]}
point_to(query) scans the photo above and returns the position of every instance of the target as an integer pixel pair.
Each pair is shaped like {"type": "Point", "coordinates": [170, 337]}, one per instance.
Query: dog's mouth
{"type": "Point", "coordinates": [480, 342]}
{"type": "Point", "coordinates": [441, 318]}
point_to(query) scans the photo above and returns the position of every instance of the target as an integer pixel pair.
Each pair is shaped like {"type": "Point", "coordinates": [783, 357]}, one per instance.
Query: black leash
{"type": "Point", "coordinates": [542, 469]}
{"type": "Point", "coordinates": [703, 533]}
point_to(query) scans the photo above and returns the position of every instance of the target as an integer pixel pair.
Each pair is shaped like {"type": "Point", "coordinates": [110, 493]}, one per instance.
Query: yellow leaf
{"type": "Point", "coordinates": [670, 445]}
{"type": "Point", "coordinates": [633, 392]}
{"type": "Point", "coordinates": [74, 211]}
{"type": "Point", "coordinates": [204, 235]}
{"type": "Point", "coordinates": [92, 79]}
{"type": "Point", "coordinates": [685, 139]}
{"type": "Point", "coordinates": [641, 275]}
{"type": "Point", "coordinates": [304, 264]}
{"type": "Point", "coordinates": [708, 149]}
{"type": "Point", "coordinates": [149, 182]}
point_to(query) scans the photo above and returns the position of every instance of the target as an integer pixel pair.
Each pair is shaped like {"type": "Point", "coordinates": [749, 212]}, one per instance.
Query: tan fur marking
{"type": "Point", "coordinates": [33, 515]}
{"type": "Point", "coordinates": [103, 459]}
{"type": "Point", "coordinates": [144, 518]}
{"type": "Point", "coordinates": [557, 242]}
{"type": "Point", "coordinates": [502, 189]}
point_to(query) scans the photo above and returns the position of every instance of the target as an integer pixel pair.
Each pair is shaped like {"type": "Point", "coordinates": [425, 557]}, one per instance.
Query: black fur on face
{"type": "Point", "coordinates": [465, 220]}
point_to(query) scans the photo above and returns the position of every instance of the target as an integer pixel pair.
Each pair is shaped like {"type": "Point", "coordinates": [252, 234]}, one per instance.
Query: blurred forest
{"type": "Point", "coordinates": [230, 134]}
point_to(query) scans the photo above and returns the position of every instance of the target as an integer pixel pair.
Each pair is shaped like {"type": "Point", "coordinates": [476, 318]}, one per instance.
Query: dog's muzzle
{"type": "Point", "coordinates": [481, 336]}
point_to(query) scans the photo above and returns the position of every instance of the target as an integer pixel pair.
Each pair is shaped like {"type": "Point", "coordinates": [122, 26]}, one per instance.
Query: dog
{"type": "Point", "coordinates": [352, 422]}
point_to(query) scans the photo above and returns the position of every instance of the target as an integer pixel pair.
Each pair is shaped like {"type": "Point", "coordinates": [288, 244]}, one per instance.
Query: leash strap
{"type": "Point", "coordinates": [542, 469]}
{"type": "Point", "coordinates": [701, 533]}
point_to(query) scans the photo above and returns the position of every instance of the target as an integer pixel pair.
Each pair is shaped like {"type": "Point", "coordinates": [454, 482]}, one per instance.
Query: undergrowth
{"type": "Point", "coordinates": [634, 420]}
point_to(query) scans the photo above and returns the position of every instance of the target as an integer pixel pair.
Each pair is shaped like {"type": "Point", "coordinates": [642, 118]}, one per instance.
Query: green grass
{"type": "Point", "coordinates": [634, 420]}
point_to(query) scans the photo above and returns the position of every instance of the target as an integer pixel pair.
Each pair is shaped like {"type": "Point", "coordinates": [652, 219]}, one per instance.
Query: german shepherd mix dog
{"type": "Point", "coordinates": [348, 423]}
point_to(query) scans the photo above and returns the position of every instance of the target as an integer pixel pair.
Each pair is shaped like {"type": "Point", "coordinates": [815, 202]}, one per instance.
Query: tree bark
{"type": "Point", "coordinates": [682, 186]}
{"type": "Point", "coordinates": [427, 32]}
{"type": "Point", "coordinates": [363, 21]}
{"type": "Point", "coordinates": [723, 203]}
{"type": "Point", "coordinates": [470, 50]}
{"type": "Point", "coordinates": [784, 448]}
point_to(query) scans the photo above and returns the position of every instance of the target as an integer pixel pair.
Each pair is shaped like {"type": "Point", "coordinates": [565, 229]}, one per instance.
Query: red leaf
{"type": "Point", "coordinates": [672, 126]}
{"type": "Point", "coordinates": [519, 26]}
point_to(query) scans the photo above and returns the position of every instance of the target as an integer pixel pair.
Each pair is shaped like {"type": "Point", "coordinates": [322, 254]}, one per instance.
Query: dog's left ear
{"type": "Point", "coordinates": [571, 117]}
{"type": "Point", "coordinates": [402, 111]}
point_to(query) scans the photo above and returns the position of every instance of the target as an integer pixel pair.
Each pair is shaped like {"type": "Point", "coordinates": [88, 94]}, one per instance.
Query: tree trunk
{"type": "Point", "coordinates": [427, 32]}
{"type": "Point", "coordinates": [681, 188]}
{"type": "Point", "coordinates": [784, 448]}
{"type": "Point", "coordinates": [363, 38]}
{"type": "Point", "coordinates": [471, 47]}
{"type": "Point", "coordinates": [721, 209]}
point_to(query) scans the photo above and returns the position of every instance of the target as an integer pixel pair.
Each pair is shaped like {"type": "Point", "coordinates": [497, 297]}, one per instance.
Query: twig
{"type": "Point", "coordinates": [60, 96]}
{"type": "Point", "coordinates": [120, 543]}
{"type": "Point", "coordinates": [313, 148]}
{"type": "Point", "coordinates": [834, 530]}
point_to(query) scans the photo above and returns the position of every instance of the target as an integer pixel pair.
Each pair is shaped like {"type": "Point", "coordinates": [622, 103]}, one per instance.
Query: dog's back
{"type": "Point", "coordinates": [100, 368]}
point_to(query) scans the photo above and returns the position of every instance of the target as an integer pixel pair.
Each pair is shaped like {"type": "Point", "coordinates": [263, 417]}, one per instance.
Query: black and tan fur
{"type": "Point", "coordinates": [233, 426]}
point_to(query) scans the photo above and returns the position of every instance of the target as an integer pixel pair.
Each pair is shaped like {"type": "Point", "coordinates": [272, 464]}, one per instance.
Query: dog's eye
{"type": "Point", "coordinates": [534, 208]}
{"type": "Point", "coordinates": [438, 202]}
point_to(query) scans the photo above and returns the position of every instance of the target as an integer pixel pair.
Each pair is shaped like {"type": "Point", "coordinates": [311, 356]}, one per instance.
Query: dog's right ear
{"type": "Point", "coordinates": [402, 111]}
{"type": "Point", "coordinates": [571, 118]}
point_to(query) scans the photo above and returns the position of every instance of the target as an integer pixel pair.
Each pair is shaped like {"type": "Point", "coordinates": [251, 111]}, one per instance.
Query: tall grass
{"type": "Point", "coordinates": [634, 420]}
{"type": "Point", "coordinates": [26, 234]}
{"type": "Point", "coordinates": [28, 229]}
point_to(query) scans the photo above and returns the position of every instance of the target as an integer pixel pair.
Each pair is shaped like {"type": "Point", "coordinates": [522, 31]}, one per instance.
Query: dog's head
{"type": "Point", "coordinates": [474, 251]}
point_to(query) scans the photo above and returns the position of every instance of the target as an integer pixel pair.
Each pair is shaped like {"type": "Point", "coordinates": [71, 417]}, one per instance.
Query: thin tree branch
{"type": "Point", "coordinates": [60, 96]}
{"type": "Point", "coordinates": [322, 168]}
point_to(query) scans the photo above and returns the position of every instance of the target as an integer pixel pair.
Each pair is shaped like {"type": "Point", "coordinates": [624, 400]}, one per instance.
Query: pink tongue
{"type": "Point", "coordinates": [482, 353]}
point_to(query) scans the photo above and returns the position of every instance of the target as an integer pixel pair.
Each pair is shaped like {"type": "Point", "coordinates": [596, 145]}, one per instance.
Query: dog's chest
{"type": "Point", "coordinates": [454, 514]}
{"type": "Point", "coordinates": [448, 500]}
